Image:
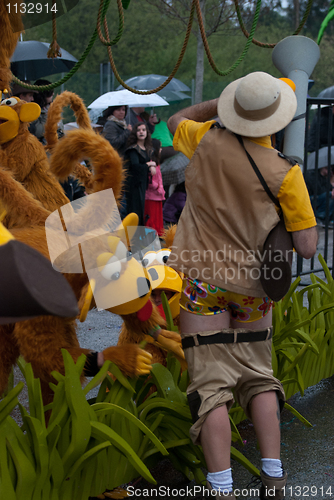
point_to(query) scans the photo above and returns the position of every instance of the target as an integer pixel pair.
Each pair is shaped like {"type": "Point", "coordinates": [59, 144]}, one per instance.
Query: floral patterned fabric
{"type": "Point", "coordinates": [202, 298]}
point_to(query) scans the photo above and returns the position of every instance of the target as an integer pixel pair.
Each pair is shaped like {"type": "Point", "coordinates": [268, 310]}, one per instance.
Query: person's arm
{"type": "Point", "coordinates": [198, 112]}
{"type": "Point", "coordinates": [298, 213]}
{"type": "Point", "coordinates": [305, 242]}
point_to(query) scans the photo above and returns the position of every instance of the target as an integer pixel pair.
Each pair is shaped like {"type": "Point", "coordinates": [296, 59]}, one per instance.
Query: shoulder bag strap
{"type": "Point", "coordinates": [258, 173]}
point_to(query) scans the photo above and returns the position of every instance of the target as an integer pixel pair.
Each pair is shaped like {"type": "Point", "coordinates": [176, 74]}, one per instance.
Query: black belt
{"type": "Point", "coordinates": [230, 337]}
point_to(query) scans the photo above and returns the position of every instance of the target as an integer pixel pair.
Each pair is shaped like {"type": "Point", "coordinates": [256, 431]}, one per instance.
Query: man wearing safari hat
{"type": "Point", "coordinates": [226, 317]}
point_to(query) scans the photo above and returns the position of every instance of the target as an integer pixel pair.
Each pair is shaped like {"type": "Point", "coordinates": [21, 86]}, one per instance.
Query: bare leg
{"type": "Point", "coordinates": [266, 419]}
{"type": "Point", "coordinates": [216, 430]}
{"type": "Point", "coordinates": [216, 440]}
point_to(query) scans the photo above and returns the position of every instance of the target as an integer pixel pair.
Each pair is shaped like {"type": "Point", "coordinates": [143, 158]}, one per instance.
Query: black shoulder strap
{"type": "Point", "coordinates": [258, 173]}
{"type": "Point", "coordinates": [217, 125]}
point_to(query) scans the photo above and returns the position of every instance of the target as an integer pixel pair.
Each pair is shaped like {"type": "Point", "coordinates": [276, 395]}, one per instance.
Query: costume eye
{"type": "Point", "coordinates": [9, 102]}
{"type": "Point", "coordinates": [162, 256]}
{"type": "Point", "coordinates": [112, 269]}
{"type": "Point", "coordinates": [121, 251]}
{"type": "Point", "coordinates": [149, 257]}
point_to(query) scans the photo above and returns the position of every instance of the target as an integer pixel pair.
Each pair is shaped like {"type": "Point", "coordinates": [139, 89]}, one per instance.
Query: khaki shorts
{"type": "Point", "coordinates": [217, 369]}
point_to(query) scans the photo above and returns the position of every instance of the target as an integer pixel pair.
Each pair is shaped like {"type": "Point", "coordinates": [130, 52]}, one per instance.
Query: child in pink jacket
{"type": "Point", "coordinates": [155, 194]}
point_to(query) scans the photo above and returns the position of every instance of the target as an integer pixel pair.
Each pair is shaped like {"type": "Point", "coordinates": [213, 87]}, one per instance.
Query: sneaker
{"type": "Point", "coordinates": [273, 487]}
{"type": "Point", "coordinates": [220, 494]}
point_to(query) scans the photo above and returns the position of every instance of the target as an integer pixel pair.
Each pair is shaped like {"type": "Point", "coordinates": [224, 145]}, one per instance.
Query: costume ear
{"type": "Point", "coordinates": [87, 300]}
{"type": "Point", "coordinates": [29, 112]}
{"type": "Point", "coordinates": [128, 228]}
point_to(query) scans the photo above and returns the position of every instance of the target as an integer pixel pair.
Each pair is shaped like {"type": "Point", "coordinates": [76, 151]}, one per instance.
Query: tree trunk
{"type": "Point", "coordinates": [200, 61]}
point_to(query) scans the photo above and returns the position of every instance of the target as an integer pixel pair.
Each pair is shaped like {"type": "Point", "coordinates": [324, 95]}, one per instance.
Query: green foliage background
{"type": "Point", "coordinates": [151, 43]}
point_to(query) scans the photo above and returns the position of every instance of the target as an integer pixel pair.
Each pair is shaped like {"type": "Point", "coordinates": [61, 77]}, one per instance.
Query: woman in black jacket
{"type": "Point", "coordinates": [139, 167]}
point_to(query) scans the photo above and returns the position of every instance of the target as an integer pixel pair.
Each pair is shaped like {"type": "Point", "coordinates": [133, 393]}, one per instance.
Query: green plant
{"type": "Point", "coordinates": [303, 335]}
{"type": "Point", "coordinates": [78, 454]}
{"type": "Point", "coordinates": [303, 338]}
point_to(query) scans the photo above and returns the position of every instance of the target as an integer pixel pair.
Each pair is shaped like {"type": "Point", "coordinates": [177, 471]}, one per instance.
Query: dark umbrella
{"type": "Point", "coordinates": [173, 169]}
{"type": "Point", "coordinates": [30, 61]}
{"type": "Point", "coordinates": [327, 93]}
{"type": "Point", "coordinates": [173, 95]}
{"type": "Point", "coordinates": [172, 92]}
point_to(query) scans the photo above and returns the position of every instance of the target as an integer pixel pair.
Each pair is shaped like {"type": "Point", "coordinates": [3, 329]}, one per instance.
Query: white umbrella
{"type": "Point", "coordinates": [127, 98]}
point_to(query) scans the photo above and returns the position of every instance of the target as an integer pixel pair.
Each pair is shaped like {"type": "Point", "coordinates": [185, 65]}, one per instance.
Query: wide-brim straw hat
{"type": "Point", "coordinates": [257, 105]}
{"type": "Point", "coordinates": [30, 287]}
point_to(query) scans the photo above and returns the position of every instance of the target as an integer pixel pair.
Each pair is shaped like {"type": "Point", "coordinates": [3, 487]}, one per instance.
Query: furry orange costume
{"type": "Point", "coordinates": [40, 340]}
{"type": "Point", "coordinates": [51, 136]}
{"type": "Point", "coordinates": [24, 156]}
{"type": "Point", "coordinates": [11, 25]}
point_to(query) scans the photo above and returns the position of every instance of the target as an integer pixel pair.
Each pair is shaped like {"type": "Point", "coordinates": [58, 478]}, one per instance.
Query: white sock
{"type": "Point", "coordinates": [222, 479]}
{"type": "Point", "coordinates": [272, 467]}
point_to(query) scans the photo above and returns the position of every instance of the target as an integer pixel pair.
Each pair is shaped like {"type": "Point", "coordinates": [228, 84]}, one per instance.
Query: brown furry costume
{"type": "Point", "coordinates": [39, 340]}
{"type": "Point", "coordinates": [25, 158]}
{"type": "Point", "coordinates": [11, 25]}
{"type": "Point", "coordinates": [51, 136]}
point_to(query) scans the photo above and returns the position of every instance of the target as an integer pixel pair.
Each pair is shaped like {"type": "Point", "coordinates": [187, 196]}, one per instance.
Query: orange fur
{"type": "Point", "coordinates": [169, 235]}
{"type": "Point", "coordinates": [55, 114]}
{"type": "Point", "coordinates": [40, 340]}
{"type": "Point", "coordinates": [11, 25]}
{"type": "Point", "coordinates": [83, 120]}
{"type": "Point", "coordinates": [25, 158]}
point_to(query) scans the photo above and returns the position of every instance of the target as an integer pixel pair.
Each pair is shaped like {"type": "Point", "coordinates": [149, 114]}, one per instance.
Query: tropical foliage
{"type": "Point", "coordinates": [303, 339]}
{"type": "Point", "coordinates": [90, 446]}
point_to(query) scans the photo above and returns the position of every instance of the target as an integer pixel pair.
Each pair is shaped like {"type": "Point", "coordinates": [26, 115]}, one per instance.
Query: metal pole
{"type": "Point", "coordinates": [108, 77]}
{"type": "Point", "coordinates": [101, 78]}
{"type": "Point", "coordinates": [112, 81]}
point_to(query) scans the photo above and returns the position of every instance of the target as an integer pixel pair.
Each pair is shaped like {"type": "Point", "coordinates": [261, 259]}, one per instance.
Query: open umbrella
{"type": "Point", "coordinates": [173, 95]}
{"type": "Point", "coordinates": [173, 169]}
{"type": "Point", "coordinates": [172, 92]}
{"type": "Point", "coordinates": [327, 93]}
{"type": "Point", "coordinates": [30, 61]}
{"type": "Point", "coordinates": [126, 98]}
